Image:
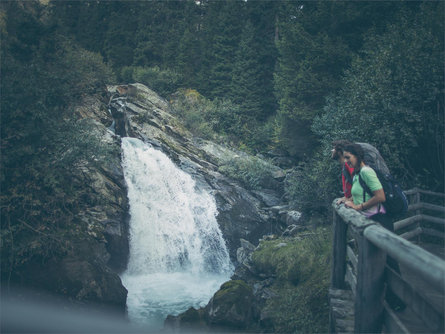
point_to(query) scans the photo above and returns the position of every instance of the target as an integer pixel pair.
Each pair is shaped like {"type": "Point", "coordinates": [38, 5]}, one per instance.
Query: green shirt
{"type": "Point", "coordinates": [372, 181]}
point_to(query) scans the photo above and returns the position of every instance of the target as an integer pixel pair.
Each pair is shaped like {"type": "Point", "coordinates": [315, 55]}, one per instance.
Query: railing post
{"type": "Point", "coordinates": [370, 287]}
{"type": "Point", "coordinates": [338, 269]}
{"type": "Point", "coordinates": [418, 212]}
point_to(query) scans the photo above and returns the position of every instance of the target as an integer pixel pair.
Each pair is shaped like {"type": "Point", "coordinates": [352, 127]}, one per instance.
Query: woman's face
{"type": "Point", "coordinates": [350, 159]}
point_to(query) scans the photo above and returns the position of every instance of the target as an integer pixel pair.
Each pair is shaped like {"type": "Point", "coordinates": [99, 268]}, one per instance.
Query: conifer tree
{"type": "Point", "coordinates": [246, 80]}
{"type": "Point", "coordinates": [222, 30]}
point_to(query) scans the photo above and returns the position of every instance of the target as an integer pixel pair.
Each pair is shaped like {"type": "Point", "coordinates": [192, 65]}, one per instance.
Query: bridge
{"type": "Point", "coordinates": [360, 274]}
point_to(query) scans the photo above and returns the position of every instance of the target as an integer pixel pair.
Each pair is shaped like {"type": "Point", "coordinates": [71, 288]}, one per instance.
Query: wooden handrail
{"type": "Point", "coordinates": [427, 265]}
{"type": "Point", "coordinates": [365, 271]}
{"type": "Point", "coordinates": [422, 191]}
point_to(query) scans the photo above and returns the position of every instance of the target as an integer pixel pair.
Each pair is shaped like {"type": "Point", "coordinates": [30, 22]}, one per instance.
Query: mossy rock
{"type": "Point", "coordinates": [231, 306]}
{"type": "Point", "coordinates": [301, 267]}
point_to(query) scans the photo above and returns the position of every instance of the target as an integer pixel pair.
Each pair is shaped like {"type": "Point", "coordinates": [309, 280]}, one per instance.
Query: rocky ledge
{"type": "Point", "coordinates": [280, 286]}
{"type": "Point", "coordinates": [141, 113]}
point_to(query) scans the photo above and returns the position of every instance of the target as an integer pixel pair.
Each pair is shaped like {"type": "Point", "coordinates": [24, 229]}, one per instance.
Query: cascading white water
{"type": "Point", "coordinates": [178, 257]}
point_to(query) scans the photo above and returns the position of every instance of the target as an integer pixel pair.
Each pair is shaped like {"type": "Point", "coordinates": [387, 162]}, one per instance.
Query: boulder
{"type": "Point", "coordinates": [231, 306]}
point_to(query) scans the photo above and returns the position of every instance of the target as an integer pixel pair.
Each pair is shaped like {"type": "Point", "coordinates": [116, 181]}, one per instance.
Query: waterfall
{"type": "Point", "coordinates": [178, 257]}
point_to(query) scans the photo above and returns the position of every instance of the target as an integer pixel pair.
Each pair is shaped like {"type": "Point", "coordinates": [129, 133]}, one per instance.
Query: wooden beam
{"type": "Point", "coordinates": [426, 206]}
{"type": "Point", "coordinates": [351, 279]}
{"type": "Point", "coordinates": [412, 234]}
{"type": "Point", "coordinates": [411, 191]}
{"type": "Point", "coordinates": [433, 232]}
{"type": "Point", "coordinates": [422, 191]}
{"type": "Point", "coordinates": [352, 258]}
{"type": "Point", "coordinates": [338, 268]}
{"type": "Point", "coordinates": [432, 219]}
{"type": "Point", "coordinates": [425, 310]}
{"type": "Point", "coordinates": [392, 322]}
{"type": "Point", "coordinates": [407, 222]}
{"type": "Point", "coordinates": [370, 287]}
{"type": "Point", "coordinates": [426, 265]}
{"type": "Point", "coordinates": [427, 192]}
{"type": "Point", "coordinates": [352, 217]}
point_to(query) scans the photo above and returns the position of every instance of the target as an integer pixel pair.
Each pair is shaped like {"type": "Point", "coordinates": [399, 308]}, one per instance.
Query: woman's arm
{"type": "Point", "coordinates": [379, 197]}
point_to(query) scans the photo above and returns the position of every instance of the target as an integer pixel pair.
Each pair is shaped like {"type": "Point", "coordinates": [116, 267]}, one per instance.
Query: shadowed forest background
{"type": "Point", "coordinates": [278, 79]}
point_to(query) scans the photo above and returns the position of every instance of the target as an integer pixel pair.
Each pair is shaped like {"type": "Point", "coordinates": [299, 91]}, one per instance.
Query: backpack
{"type": "Point", "coordinates": [373, 158]}
{"type": "Point", "coordinates": [396, 201]}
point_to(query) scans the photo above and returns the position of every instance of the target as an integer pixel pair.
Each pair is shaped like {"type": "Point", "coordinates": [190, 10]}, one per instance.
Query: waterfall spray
{"type": "Point", "coordinates": [178, 257]}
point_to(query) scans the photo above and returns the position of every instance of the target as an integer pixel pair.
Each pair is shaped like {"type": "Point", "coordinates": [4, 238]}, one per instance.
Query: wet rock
{"type": "Point", "coordinates": [231, 306]}
{"type": "Point", "coordinates": [292, 230]}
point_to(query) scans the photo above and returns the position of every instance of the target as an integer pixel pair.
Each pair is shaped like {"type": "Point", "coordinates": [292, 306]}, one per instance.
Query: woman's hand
{"type": "Point", "coordinates": [350, 204]}
{"type": "Point", "coordinates": [343, 200]}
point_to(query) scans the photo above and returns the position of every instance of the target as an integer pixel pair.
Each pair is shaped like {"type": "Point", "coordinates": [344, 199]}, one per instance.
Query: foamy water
{"type": "Point", "coordinates": [178, 257]}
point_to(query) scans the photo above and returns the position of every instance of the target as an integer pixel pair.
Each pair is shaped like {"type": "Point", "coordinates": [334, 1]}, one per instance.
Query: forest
{"type": "Point", "coordinates": [267, 77]}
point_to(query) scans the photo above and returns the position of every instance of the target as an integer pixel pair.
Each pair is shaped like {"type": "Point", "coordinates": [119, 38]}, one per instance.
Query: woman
{"type": "Point", "coordinates": [370, 206]}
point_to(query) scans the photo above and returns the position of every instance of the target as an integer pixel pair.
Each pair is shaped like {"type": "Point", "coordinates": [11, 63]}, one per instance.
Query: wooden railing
{"type": "Point", "coordinates": [360, 248]}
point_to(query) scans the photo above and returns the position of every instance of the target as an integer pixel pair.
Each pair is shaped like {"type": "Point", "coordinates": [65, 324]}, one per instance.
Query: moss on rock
{"type": "Point", "coordinates": [301, 267]}
{"type": "Point", "coordinates": [231, 306]}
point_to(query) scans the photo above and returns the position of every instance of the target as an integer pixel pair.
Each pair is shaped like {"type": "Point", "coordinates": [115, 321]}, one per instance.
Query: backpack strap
{"type": "Point", "coordinates": [365, 187]}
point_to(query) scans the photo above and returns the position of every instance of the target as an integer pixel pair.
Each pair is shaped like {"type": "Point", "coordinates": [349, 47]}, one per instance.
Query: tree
{"type": "Point", "coordinates": [222, 26]}
{"type": "Point", "coordinates": [317, 43]}
{"type": "Point", "coordinates": [42, 139]}
{"type": "Point", "coordinates": [252, 78]}
{"type": "Point", "coordinates": [392, 97]}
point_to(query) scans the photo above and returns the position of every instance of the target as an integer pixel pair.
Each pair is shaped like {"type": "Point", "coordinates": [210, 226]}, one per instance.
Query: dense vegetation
{"type": "Point", "coordinates": [44, 74]}
{"type": "Point", "coordinates": [281, 76]}
{"type": "Point", "coordinates": [287, 75]}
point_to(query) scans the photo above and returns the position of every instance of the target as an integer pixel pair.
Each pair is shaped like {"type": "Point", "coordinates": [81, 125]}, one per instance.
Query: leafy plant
{"type": "Point", "coordinates": [163, 81]}
{"type": "Point", "coordinates": [252, 171]}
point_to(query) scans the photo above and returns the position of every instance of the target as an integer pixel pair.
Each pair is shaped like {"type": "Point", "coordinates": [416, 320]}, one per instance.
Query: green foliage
{"type": "Point", "coordinates": [393, 98]}
{"type": "Point", "coordinates": [318, 40]}
{"type": "Point", "coordinates": [312, 185]}
{"type": "Point", "coordinates": [252, 72]}
{"type": "Point", "coordinates": [164, 82]}
{"type": "Point", "coordinates": [252, 171]}
{"type": "Point", "coordinates": [206, 118]}
{"type": "Point", "coordinates": [43, 141]}
{"type": "Point", "coordinates": [301, 266]}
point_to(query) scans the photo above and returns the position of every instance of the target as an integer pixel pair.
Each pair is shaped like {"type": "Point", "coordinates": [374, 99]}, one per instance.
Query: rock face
{"type": "Point", "coordinates": [279, 286]}
{"type": "Point", "coordinates": [243, 214]}
{"type": "Point", "coordinates": [89, 273]}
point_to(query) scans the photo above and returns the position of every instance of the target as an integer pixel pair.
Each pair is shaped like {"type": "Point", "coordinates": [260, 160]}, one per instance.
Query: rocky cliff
{"type": "Point", "coordinates": [141, 113]}
{"type": "Point", "coordinates": [87, 273]}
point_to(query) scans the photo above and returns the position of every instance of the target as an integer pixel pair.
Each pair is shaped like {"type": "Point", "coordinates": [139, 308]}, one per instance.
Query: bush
{"type": "Point", "coordinates": [43, 141]}
{"type": "Point", "coordinates": [203, 117]}
{"type": "Point", "coordinates": [252, 171]}
{"type": "Point", "coordinates": [164, 82]}
{"type": "Point", "coordinates": [312, 185]}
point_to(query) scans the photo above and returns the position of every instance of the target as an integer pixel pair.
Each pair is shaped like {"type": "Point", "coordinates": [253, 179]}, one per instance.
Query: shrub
{"type": "Point", "coordinates": [162, 81]}
{"type": "Point", "coordinates": [252, 171]}
{"type": "Point", "coordinates": [312, 185]}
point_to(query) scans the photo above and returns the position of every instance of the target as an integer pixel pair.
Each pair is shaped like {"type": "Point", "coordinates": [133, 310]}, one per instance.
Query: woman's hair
{"type": "Point", "coordinates": [339, 147]}
{"type": "Point", "coordinates": [356, 150]}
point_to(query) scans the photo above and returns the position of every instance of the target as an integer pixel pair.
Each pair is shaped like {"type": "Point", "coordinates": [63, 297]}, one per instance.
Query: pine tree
{"type": "Point", "coordinates": [222, 31]}
{"type": "Point", "coordinates": [246, 79]}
